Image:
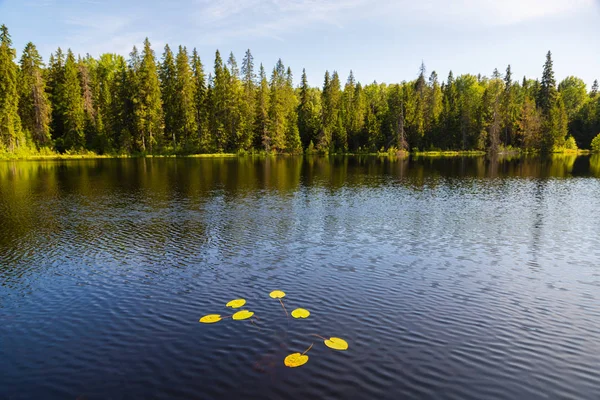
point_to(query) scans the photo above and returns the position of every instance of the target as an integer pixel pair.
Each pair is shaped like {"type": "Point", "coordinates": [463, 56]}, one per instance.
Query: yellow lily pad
{"type": "Point", "coordinates": [336, 343]}
{"type": "Point", "coordinates": [300, 313]}
{"type": "Point", "coordinates": [295, 360]}
{"type": "Point", "coordinates": [237, 303]}
{"type": "Point", "coordinates": [277, 294]}
{"type": "Point", "coordinates": [244, 314]}
{"type": "Point", "coordinates": [210, 319]}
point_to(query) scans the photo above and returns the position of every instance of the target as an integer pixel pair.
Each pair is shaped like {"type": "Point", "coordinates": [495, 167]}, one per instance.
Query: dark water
{"type": "Point", "coordinates": [460, 278]}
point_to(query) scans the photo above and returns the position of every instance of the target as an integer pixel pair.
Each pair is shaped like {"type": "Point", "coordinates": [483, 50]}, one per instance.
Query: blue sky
{"type": "Point", "coordinates": [383, 40]}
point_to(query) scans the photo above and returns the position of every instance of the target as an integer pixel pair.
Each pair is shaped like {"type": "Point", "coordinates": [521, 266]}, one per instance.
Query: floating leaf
{"type": "Point", "coordinates": [300, 313]}
{"type": "Point", "coordinates": [336, 343]}
{"type": "Point", "coordinates": [210, 319]}
{"type": "Point", "coordinates": [277, 294]}
{"type": "Point", "coordinates": [244, 314]}
{"type": "Point", "coordinates": [295, 360]}
{"type": "Point", "coordinates": [237, 303]}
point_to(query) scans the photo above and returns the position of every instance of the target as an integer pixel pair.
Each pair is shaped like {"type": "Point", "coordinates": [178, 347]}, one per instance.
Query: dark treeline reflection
{"type": "Point", "coordinates": [286, 173]}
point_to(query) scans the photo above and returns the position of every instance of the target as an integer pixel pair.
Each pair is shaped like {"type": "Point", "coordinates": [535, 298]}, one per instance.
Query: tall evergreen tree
{"type": "Point", "coordinates": [234, 118]}
{"type": "Point", "coordinates": [219, 103]}
{"type": "Point", "coordinates": [71, 101]}
{"type": "Point", "coordinates": [547, 94]}
{"type": "Point", "coordinates": [203, 139]}
{"type": "Point", "coordinates": [304, 123]}
{"type": "Point", "coordinates": [10, 123]}
{"type": "Point", "coordinates": [34, 105]}
{"type": "Point", "coordinates": [339, 135]}
{"type": "Point", "coordinates": [185, 124]}
{"type": "Point", "coordinates": [262, 136]}
{"type": "Point", "coordinates": [147, 102]}
{"type": "Point", "coordinates": [248, 105]}
{"type": "Point", "coordinates": [277, 108]}
{"type": "Point", "coordinates": [87, 80]}
{"type": "Point", "coordinates": [292, 135]}
{"type": "Point", "coordinates": [168, 89]}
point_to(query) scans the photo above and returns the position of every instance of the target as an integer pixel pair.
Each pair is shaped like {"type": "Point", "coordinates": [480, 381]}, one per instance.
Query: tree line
{"type": "Point", "coordinates": [146, 105]}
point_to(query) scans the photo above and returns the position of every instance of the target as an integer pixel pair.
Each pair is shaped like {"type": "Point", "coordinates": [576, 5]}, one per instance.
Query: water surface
{"type": "Point", "coordinates": [459, 278]}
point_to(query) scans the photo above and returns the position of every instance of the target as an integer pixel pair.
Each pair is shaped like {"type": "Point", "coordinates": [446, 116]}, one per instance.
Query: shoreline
{"type": "Point", "coordinates": [429, 154]}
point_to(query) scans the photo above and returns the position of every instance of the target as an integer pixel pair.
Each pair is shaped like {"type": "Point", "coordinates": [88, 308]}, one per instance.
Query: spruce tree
{"type": "Point", "coordinates": [547, 94]}
{"type": "Point", "coordinates": [262, 136]}
{"type": "Point", "coordinates": [168, 91]}
{"type": "Point", "coordinates": [338, 131]}
{"type": "Point", "coordinates": [292, 135]}
{"type": "Point", "coordinates": [10, 123]}
{"type": "Point", "coordinates": [219, 103]}
{"type": "Point", "coordinates": [56, 80]}
{"type": "Point", "coordinates": [87, 80]}
{"type": "Point", "coordinates": [184, 100]}
{"type": "Point", "coordinates": [34, 105]}
{"type": "Point", "coordinates": [248, 105]}
{"type": "Point", "coordinates": [324, 136]}
{"type": "Point", "coordinates": [235, 123]}
{"type": "Point", "coordinates": [200, 103]}
{"type": "Point", "coordinates": [304, 112]}
{"type": "Point", "coordinates": [70, 102]}
{"type": "Point", "coordinates": [277, 109]}
{"type": "Point", "coordinates": [147, 101]}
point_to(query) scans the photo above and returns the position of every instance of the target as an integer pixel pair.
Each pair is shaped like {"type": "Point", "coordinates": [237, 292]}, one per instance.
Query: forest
{"type": "Point", "coordinates": [146, 104]}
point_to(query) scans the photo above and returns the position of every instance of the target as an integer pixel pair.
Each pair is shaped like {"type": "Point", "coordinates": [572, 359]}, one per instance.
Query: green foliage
{"type": "Point", "coordinates": [596, 144]}
{"type": "Point", "coordinates": [10, 124]}
{"type": "Point", "coordinates": [34, 105]}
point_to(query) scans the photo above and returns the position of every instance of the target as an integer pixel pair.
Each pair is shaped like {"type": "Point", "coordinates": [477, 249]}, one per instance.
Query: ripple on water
{"type": "Point", "coordinates": [458, 288]}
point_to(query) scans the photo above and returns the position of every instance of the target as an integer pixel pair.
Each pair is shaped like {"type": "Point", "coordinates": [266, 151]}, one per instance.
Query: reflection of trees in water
{"type": "Point", "coordinates": [595, 165]}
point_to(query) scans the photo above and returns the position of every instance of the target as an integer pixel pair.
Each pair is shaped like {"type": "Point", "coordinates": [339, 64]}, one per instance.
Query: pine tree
{"type": "Point", "coordinates": [87, 80]}
{"type": "Point", "coordinates": [235, 123]}
{"type": "Point", "coordinates": [547, 94]}
{"type": "Point", "coordinates": [34, 105]}
{"type": "Point", "coordinates": [248, 104]}
{"type": "Point", "coordinates": [10, 123]}
{"type": "Point", "coordinates": [147, 101]}
{"type": "Point", "coordinates": [168, 92]}
{"type": "Point", "coordinates": [420, 105]}
{"type": "Point", "coordinates": [277, 108]}
{"type": "Point", "coordinates": [304, 125]}
{"type": "Point", "coordinates": [200, 103]}
{"type": "Point", "coordinates": [184, 101]}
{"type": "Point", "coordinates": [219, 103]}
{"type": "Point", "coordinates": [339, 136]}
{"type": "Point", "coordinates": [449, 117]}
{"type": "Point", "coordinates": [71, 101]}
{"type": "Point", "coordinates": [292, 135]}
{"type": "Point", "coordinates": [109, 105]}
{"type": "Point", "coordinates": [56, 80]}
{"type": "Point", "coordinates": [594, 90]}
{"type": "Point", "coordinates": [262, 136]}
{"type": "Point", "coordinates": [433, 110]}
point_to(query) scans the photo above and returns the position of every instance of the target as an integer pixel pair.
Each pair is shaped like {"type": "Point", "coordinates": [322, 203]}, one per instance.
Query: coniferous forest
{"type": "Point", "coordinates": [173, 103]}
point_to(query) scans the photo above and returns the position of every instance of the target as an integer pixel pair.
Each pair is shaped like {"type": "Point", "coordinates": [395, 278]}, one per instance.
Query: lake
{"type": "Point", "coordinates": [453, 278]}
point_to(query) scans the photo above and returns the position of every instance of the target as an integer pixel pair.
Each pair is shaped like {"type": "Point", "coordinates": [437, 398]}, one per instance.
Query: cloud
{"type": "Point", "coordinates": [495, 12]}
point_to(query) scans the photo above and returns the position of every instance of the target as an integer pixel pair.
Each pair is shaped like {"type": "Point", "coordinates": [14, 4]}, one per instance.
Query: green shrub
{"type": "Point", "coordinates": [570, 143]}
{"type": "Point", "coordinates": [596, 143]}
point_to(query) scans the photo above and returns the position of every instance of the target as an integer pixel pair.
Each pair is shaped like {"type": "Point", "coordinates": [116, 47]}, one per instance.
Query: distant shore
{"type": "Point", "coordinates": [446, 153]}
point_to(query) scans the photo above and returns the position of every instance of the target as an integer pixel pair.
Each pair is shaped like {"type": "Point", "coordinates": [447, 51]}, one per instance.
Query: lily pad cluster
{"type": "Point", "coordinates": [295, 359]}
{"type": "Point", "coordinates": [238, 316]}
